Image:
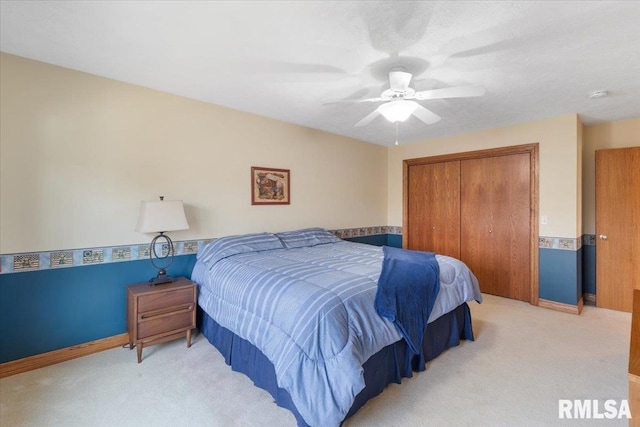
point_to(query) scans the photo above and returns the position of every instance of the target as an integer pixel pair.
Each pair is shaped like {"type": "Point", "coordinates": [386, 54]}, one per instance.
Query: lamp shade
{"type": "Point", "coordinates": [397, 111]}
{"type": "Point", "coordinates": [161, 216]}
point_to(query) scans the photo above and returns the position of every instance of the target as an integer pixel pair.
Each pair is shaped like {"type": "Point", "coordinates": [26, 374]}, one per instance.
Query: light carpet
{"type": "Point", "coordinates": [523, 361]}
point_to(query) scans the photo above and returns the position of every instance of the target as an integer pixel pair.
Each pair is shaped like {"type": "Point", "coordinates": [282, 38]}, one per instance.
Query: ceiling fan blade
{"type": "Point", "coordinates": [277, 67]}
{"type": "Point", "coordinates": [451, 92]}
{"type": "Point", "coordinates": [399, 80]}
{"type": "Point", "coordinates": [372, 115]}
{"type": "Point", "coordinates": [425, 115]}
{"type": "Point", "coordinates": [352, 101]}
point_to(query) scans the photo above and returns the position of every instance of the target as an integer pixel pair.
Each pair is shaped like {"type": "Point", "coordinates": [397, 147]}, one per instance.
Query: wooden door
{"type": "Point", "coordinates": [495, 228]}
{"type": "Point", "coordinates": [476, 199]}
{"type": "Point", "coordinates": [433, 205]}
{"type": "Point", "coordinates": [617, 227]}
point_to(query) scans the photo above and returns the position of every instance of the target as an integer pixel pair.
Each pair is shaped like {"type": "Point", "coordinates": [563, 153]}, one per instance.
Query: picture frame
{"type": "Point", "coordinates": [270, 186]}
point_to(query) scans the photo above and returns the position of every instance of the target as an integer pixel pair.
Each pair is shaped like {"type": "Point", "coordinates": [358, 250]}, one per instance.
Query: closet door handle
{"type": "Point", "coordinates": [603, 237]}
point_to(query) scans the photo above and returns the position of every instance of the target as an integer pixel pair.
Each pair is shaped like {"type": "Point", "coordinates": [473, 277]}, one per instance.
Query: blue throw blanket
{"type": "Point", "coordinates": [407, 289]}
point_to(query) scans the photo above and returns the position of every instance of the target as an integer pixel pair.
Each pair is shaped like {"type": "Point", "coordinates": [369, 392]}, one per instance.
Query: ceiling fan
{"type": "Point", "coordinates": [399, 99]}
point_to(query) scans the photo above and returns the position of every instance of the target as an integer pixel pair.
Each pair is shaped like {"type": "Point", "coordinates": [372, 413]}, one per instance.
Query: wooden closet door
{"type": "Point", "coordinates": [495, 223]}
{"type": "Point", "coordinates": [433, 205]}
{"type": "Point", "coordinates": [476, 198]}
{"type": "Point", "coordinates": [418, 210]}
{"type": "Point", "coordinates": [511, 224]}
{"type": "Point", "coordinates": [617, 227]}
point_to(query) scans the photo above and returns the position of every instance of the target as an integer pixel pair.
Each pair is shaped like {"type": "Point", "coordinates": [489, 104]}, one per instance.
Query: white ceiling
{"type": "Point", "coordinates": [285, 59]}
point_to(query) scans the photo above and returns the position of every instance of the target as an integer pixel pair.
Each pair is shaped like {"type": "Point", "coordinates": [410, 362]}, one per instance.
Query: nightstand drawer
{"type": "Point", "coordinates": [168, 319]}
{"type": "Point", "coordinates": [165, 299]}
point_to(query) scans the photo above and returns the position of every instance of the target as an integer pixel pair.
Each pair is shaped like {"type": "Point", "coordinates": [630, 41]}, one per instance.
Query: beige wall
{"type": "Point", "coordinates": [619, 134]}
{"type": "Point", "coordinates": [78, 153]}
{"type": "Point", "coordinates": [579, 150]}
{"type": "Point", "coordinates": [558, 167]}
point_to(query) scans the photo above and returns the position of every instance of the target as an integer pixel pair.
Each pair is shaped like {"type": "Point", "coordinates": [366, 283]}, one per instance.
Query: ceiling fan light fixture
{"type": "Point", "coordinates": [397, 111]}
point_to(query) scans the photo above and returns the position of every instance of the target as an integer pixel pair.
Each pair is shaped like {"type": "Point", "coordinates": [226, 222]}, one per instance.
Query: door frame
{"type": "Point", "coordinates": [532, 150]}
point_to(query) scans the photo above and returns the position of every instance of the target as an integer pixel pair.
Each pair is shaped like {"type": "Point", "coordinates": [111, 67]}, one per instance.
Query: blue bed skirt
{"type": "Point", "coordinates": [389, 365]}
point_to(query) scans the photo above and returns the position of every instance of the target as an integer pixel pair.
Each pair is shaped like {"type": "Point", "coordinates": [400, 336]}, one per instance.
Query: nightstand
{"type": "Point", "coordinates": [160, 313]}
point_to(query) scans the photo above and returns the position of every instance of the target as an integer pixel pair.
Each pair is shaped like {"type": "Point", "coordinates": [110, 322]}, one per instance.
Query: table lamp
{"type": "Point", "coordinates": [160, 217]}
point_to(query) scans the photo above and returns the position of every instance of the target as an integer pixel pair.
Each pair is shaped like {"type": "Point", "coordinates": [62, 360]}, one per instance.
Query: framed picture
{"type": "Point", "coordinates": [270, 186]}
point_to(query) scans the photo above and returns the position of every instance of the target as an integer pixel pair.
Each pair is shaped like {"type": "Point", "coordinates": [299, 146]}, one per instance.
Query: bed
{"type": "Point", "coordinates": [295, 312]}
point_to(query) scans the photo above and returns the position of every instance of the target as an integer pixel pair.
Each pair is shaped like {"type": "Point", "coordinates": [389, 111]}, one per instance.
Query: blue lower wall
{"type": "Point", "coordinates": [394, 240]}
{"type": "Point", "coordinates": [50, 309]}
{"type": "Point", "coordinates": [589, 269]}
{"type": "Point", "coordinates": [560, 275]}
{"type": "Point", "coordinates": [47, 310]}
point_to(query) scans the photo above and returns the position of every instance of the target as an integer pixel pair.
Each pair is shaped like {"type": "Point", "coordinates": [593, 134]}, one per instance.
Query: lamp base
{"type": "Point", "coordinates": [162, 273]}
{"type": "Point", "coordinates": [161, 278]}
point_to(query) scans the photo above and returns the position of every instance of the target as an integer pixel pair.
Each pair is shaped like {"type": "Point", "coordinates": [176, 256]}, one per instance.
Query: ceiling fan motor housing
{"type": "Point", "coordinates": [396, 94]}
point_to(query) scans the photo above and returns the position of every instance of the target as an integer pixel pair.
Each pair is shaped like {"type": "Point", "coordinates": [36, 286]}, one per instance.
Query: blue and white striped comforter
{"type": "Point", "coordinates": [310, 310]}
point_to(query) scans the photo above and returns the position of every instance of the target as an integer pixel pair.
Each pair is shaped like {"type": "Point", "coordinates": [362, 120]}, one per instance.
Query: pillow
{"type": "Point", "coordinates": [306, 237]}
{"type": "Point", "coordinates": [225, 247]}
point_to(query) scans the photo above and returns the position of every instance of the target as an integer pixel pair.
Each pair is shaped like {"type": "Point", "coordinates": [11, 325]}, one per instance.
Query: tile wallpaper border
{"type": "Point", "coordinates": [562, 243]}
{"type": "Point", "coordinates": [33, 261]}
{"type": "Point", "coordinates": [18, 263]}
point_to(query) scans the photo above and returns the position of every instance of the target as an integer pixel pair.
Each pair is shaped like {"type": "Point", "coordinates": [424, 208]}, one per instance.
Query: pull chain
{"type": "Point", "coordinates": [397, 124]}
